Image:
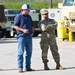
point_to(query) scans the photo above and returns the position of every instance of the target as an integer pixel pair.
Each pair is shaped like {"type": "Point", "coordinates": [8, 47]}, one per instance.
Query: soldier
{"type": "Point", "coordinates": [48, 27]}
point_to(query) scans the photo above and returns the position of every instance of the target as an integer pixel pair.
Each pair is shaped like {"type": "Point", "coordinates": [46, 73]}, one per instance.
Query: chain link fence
{"type": "Point", "coordinates": [28, 1]}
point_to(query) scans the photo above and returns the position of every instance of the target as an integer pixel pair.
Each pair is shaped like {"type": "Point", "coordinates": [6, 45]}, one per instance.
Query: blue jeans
{"type": "Point", "coordinates": [24, 44]}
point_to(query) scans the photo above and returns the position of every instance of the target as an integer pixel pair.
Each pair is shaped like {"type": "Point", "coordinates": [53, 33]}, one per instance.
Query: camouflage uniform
{"type": "Point", "coordinates": [48, 39]}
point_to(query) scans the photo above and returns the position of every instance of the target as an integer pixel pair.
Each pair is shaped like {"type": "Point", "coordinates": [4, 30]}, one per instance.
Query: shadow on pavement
{"type": "Point", "coordinates": [36, 70]}
{"type": "Point", "coordinates": [4, 41]}
{"type": "Point", "coordinates": [7, 69]}
{"type": "Point", "coordinates": [70, 68]}
{"type": "Point", "coordinates": [56, 69]}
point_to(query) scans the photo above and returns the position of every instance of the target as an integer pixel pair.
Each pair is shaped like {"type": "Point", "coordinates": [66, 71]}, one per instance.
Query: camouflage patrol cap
{"type": "Point", "coordinates": [44, 11]}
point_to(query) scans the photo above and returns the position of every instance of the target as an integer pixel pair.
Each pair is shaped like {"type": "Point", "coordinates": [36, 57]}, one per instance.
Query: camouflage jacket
{"type": "Point", "coordinates": [49, 28]}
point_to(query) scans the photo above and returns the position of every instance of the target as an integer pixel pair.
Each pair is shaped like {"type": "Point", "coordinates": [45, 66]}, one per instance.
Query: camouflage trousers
{"type": "Point", "coordinates": [44, 44]}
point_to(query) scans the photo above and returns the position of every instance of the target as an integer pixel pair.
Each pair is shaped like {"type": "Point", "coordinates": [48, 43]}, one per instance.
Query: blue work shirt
{"type": "Point", "coordinates": [25, 22]}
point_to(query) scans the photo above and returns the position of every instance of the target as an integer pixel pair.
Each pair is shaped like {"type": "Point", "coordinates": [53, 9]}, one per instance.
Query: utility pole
{"type": "Point", "coordinates": [50, 3]}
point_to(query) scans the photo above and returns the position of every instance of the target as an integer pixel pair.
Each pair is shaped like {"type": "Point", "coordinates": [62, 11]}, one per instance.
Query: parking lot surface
{"type": "Point", "coordinates": [8, 58]}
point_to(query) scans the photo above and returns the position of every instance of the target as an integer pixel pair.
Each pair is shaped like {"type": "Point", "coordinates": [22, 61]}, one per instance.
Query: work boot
{"type": "Point", "coordinates": [58, 66]}
{"type": "Point", "coordinates": [20, 70]}
{"type": "Point", "coordinates": [30, 69]}
{"type": "Point", "coordinates": [46, 66]}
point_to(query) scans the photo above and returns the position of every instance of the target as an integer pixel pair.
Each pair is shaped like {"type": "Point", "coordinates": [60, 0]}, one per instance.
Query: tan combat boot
{"type": "Point", "coordinates": [58, 66]}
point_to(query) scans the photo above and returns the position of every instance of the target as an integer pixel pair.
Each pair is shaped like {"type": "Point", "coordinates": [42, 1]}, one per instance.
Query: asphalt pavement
{"type": "Point", "coordinates": [8, 58]}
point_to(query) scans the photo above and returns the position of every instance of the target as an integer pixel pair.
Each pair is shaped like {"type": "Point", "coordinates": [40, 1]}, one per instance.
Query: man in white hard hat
{"type": "Point", "coordinates": [48, 27]}
{"type": "Point", "coordinates": [24, 27]}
